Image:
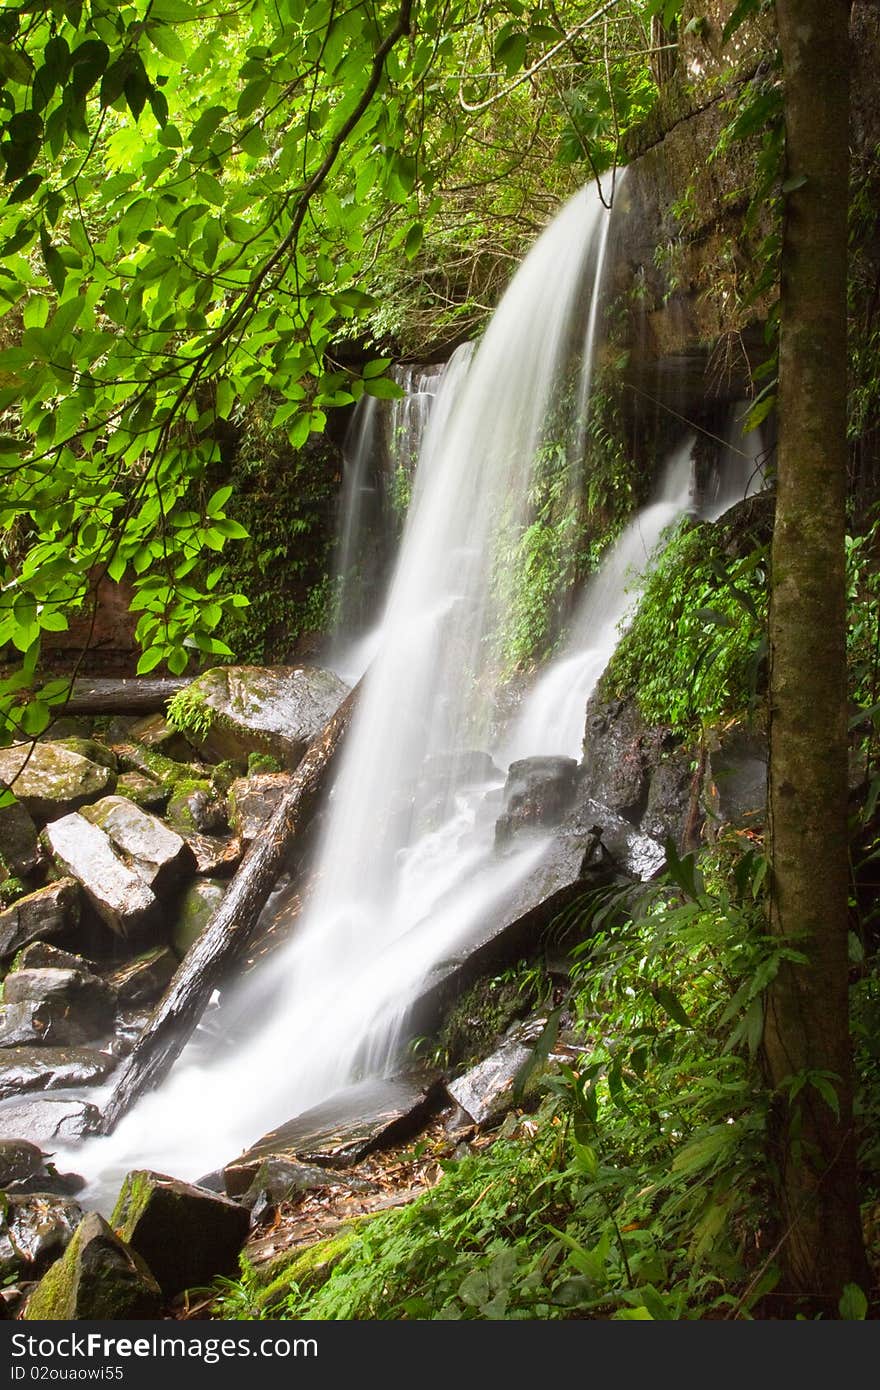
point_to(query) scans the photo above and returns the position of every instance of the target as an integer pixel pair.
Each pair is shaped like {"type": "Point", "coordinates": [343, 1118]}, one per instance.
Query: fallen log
{"type": "Point", "coordinates": [125, 695]}
{"type": "Point", "coordinates": [229, 931]}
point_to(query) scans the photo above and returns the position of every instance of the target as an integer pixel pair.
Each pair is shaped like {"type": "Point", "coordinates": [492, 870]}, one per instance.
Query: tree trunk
{"type": "Point", "coordinates": [807, 1024]}
{"type": "Point", "coordinates": [127, 695]}
{"type": "Point", "coordinates": [230, 929]}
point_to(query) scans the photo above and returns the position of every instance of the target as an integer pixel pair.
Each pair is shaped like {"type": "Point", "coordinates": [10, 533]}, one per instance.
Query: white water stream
{"type": "Point", "coordinates": [407, 871]}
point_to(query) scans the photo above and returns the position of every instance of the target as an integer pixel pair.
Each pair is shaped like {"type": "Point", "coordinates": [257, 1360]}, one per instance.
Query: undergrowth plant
{"type": "Point", "coordinates": [637, 1188]}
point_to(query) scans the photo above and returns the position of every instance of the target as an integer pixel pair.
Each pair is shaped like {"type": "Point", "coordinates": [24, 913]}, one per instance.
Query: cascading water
{"type": "Point", "coordinates": [552, 716]}
{"type": "Point", "coordinates": [379, 458]}
{"type": "Point", "coordinates": [406, 871]}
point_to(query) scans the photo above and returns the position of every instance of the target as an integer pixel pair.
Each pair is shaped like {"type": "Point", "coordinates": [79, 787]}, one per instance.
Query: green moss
{"type": "Point", "coordinates": [11, 889]}
{"type": "Point", "coordinates": [259, 763]}
{"type": "Point", "coordinates": [90, 748]}
{"type": "Point", "coordinates": [131, 1202]}
{"type": "Point", "coordinates": [301, 1270]}
{"type": "Point", "coordinates": [224, 774]}
{"type": "Point", "coordinates": [178, 810]}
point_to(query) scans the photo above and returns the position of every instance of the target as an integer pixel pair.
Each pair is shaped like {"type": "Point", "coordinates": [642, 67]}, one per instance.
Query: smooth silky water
{"type": "Point", "coordinates": [406, 872]}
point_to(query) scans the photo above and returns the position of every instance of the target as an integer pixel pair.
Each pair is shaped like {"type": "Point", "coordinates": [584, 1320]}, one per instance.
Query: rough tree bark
{"type": "Point", "coordinates": [227, 934]}
{"type": "Point", "coordinates": [807, 1028]}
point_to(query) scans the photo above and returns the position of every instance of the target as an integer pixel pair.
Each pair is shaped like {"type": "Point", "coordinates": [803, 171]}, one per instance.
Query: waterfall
{"type": "Point", "coordinates": [379, 456]}
{"type": "Point", "coordinates": [406, 871]}
{"type": "Point", "coordinates": [552, 716]}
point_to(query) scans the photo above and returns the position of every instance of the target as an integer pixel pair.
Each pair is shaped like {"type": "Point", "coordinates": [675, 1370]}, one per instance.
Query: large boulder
{"type": "Point", "coordinates": [118, 894]}
{"type": "Point", "coordinates": [152, 849]}
{"type": "Point", "coordinates": [49, 779]}
{"type": "Point", "coordinates": [59, 1007]}
{"type": "Point", "coordinates": [186, 1234]}
{"type": "Point", "coordinates": [51, 911]}
{"type": "Point", "coordinates": [48, 1068]}
{"type": "Point", "coordinates": [48, 1120]}
{"type": "Point", "coordinates": [251, 709]}
{"type": "Point", "coordinates": [538, 792]}
{"type": "Point", "coordinates": [98, 1279]}
{"type": "Point", "coordinates": [616, 757]}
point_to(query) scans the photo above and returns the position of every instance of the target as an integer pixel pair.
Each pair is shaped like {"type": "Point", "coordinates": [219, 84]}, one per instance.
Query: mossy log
{"type": "Point", "coordinates": [230, 929]}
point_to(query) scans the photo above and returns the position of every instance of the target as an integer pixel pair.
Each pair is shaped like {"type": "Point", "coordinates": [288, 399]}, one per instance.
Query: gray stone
{"type": "Point", "coordinates": [538, 792]}
{"type": "Point", "coordinates": [142, 790]}
{"type": "Point", "coordinates": [253, 800]}
{"type": "Point", "coordinates": [25, 1069]}
{"type": "Point", "coordinates": [19, 1161]}
{"type": "Point", "coordinates": [187, 1235]}
{"type": "Point", "coordinates": [90, 748]}
{"type": "Point", "coordinates": [343, 1130]}
{"type": "Point", "coordinates": [50, 911]}
{"type": "Point", "coordinates": [214, 854]}
{"type": "Point", "coordinates": [616, 760]}
{"type": "Point", "coordinates": [157, 853]}
{"type": "Point", "coordinates": [40, 954]}
{"type": "Point", "coordinates": [48, 1120]}
{"type": "Point", "coordinates": [735, 789]}
{"type": "Point", "coordinates": [58, 1007]}
{"type": "Point", "coordinates": [49, 779]}
{"type": "Point", "coordinates": [35, 1230]}
{"type": "Point", "coordinates": [98, 1278]}
{"type": "Point", "coordinates": [196, 909]}
{"type": "Point", "coordinates": [486, 1092]}
{"type": "Point", "coordinates": [155, 732]}
{"type": "Point", "coordinates": [143, 979]}
{"type": "Point", "coordinates": [194, 807]}
{"type": "Point", "coordinates": [669, 799]}
{"type": "Point", "coordinates": [257, 710]}
{"type": "Point", "coordinates": [19, 849]}
{"type": "Point", "coordinates": [281, 1180]}
{"type": "Point", "coordinates": [117, 893]}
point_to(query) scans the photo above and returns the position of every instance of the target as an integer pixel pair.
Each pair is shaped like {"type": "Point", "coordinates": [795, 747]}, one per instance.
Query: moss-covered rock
{"type": "Point", "coordinates": [90, 748]}
{"type": "Point", "coordinates": [98, 1278]}
{"type": "Point", "coordinates": [144, 791]}
{"type": "Point", "coordinates": [186, 1234]}
{"type": "Point", "coordinates": [194, 807]}
{"type": "Point", "coordinates": [232, 711]}
{"type": "Point", "coordinates": [304, 1268]}
{"type": "Point", "coordinates": [197, 907]}
{"type": "Point", "coordinates": [50, 779]}
{"type": "Point", "coordinates": [19, 847]}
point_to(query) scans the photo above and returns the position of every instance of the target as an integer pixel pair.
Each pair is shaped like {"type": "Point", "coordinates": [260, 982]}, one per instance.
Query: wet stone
{"type": "Point", "coordinates": [119, 895]}
{"type": "Point", "coordinates": [42, 953]}
{"type": "Point", "coordinates": [19, 1161]}
{"type": "Point", "coordinates": [187, 1235]}
{"type": "Point", "coordinates": [50, 779]}
{"type": "Point", "coordinates": [36, 1229]}
{"type": "Point", "coordinates": [25, 1069]}
{"type": "Point", "coordinates": [486, 1092]}
{"type": "Point", "coordinates": [19, 849]}
{"type": "Point", "coordinates": [50, 911]}
{"type": "Point", "coordinates": [194, 807]}
{"type": "Point", "coordinates": [155, 852]}
{"type": "Point", "coordinates": [259, 710]}
{"type": "Point", "coordinates": [196, 909]}
{"type": "Point", "coordinates": [254, 800]}
{"type": "Point", "coordinates": [538, 792]}
{"type": "Point", "coordinates": [47, 1120]}
{"type": "Point", "coordinates": [143, 979]}
{"type": "Point", "coordinates": [98, 1278]}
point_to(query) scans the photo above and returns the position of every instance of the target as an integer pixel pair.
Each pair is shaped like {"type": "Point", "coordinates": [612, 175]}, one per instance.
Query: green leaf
{"type": "Point", "coordinates": [667, 1001]}
{"type": "Point", "coordinates": [384, 389]}
{"type": "Point", "coordinates": [853, 1305]}
{"type": "Point", "coordinates": [150, 660]}
{"type": "Point", "coordinates": [414, 238]}
{"type": "Point", "coordinates": [164, 38]}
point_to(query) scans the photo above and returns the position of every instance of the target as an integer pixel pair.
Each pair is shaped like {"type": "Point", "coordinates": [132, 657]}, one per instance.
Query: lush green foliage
{"type": "Point", "coordinates": [638, 1188]}
{"type": "Point", "coordinates": [693, 651]}
{"type": "Point", "coordinates": [203, 203]}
